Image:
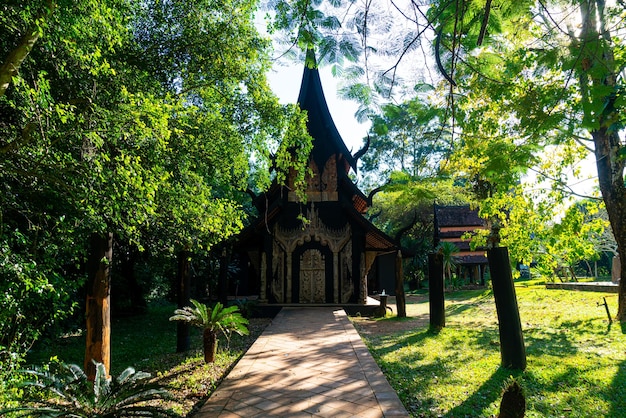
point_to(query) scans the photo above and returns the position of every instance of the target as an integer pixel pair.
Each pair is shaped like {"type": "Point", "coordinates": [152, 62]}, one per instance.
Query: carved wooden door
{"type": "Point", "coordinates": [312, 277]}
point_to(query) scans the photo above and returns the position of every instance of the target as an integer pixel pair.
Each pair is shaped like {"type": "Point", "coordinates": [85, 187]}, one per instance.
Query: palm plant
{"type": "Point", "coordinates": [213, 321]}
{"type": "Point", "coordinates": [66, 391]}
{"type": "Point", "coordinates": [448, 250]}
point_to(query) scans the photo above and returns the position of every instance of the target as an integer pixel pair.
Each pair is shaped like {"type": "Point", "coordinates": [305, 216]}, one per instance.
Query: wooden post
{"type": "Point", "coordinates": [183, 296]}
{"type": "Point", "coordinates": [98, 311]}
{"type": "Point", "coordinates": [435, 291]}
{"type": "Point", "coordinates": [400, 299]}
{"type": "Point", "coordinates": [512, 349]}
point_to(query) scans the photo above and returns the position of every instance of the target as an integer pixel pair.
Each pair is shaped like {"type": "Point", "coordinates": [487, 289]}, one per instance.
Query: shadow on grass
{"type": "Point", "coordinates": [480, 297]}
{"type": "Point", "coordinates": [617, 390]}
{"type": "Point", "coordinates": [539, 342]}
{"type": "Point", "coordinates": [410, 338]}
{"type": "Point", "coordinates": [416, 373]}
{"type": "Point", "coordinates": [618, 386]}
{"type": "Point", "coordinates": [570, 393]}
{"type": "Point", "coordinates": [489, 392]}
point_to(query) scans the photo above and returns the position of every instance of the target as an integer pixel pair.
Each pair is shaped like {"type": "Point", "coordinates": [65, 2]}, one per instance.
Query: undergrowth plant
{"type": "Point", "coordinates": [213, 322]}
{"type": "Point", "coordinates": [61, 389]}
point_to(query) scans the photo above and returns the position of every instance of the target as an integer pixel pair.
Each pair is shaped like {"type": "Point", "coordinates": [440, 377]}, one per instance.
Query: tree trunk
{"type": "Point", "coordinates": [435, 292]}
{"type": "Point", "coordinates": [223, 277]}
{"type": "Point", "coordinates": [512, 349]}
{"type": "Point", "coordinates": [597, 54]}
{"type": "Point", "coordinates": [98, 313]}
{"type": "Point", "coordinates": [400, 299]}
{"type": "Point", "coordinates": [611, 179]}
{"type": "Point", "coordinates": [209, 341]}
{"type": "Point", "coordinates": [16, 57]}
{"type": "Point", "coordinates": [183, 296]}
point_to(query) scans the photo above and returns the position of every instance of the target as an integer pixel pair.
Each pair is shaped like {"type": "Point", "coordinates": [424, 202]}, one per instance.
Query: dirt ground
{"type": "Point", "coordinates": [417, 318]}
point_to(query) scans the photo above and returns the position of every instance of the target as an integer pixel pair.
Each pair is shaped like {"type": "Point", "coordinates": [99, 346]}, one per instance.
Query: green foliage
{"type": "Point", "coordinates": [408, 137]}
{"type": "Point", "coordinates": [147, 119]}
{"type": "Point", "coordinates": [448, 250]}
{"type": "Point", "coordinates": [146, 341]}
{"type": "Point", "coordinates": [219, 319]}
{"type": "Point", "coordinates": [543, 228]}
{"type": "Point", "coordinates": [405, 201]}
{"type": "Point", "coordinates": [314, 25]}
{"type": "Point", "coordinates": [64, 390]}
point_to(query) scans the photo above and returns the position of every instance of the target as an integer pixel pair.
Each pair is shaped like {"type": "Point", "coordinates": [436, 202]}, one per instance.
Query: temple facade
{"type": "Point", "coordinates": [452, 223]}
{"type": "Point", "coordinates": [323, 251]}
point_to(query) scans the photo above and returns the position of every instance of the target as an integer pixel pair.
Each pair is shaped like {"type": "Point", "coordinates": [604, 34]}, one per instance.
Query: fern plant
{"type": "Point", "coordinates": [67, 392]}
{"type": "Point", "coordinates": [213, 321]}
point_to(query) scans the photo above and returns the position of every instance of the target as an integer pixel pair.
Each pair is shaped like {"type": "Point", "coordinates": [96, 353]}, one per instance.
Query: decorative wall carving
{"type": "Point", "coordinates": [329, 180]}
{"type": "Point", "coordinates": [366, 265]}
{"type": "Point", "coordinates": [278, 274]}
{"type": "Point", "coordinates": [320, 186]}
{"type": "Point", "coordinates": [286, 241]}
{"type": "Point", "coordinates": [313, 179]}
{"type": "Point", "coordinates": [347, 284]}
{"type": "Point", "coordinates": [315, 229]}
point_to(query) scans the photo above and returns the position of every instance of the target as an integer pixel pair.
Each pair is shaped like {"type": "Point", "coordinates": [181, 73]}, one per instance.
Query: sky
{"type": "Point", "coordinates": [285, 81]}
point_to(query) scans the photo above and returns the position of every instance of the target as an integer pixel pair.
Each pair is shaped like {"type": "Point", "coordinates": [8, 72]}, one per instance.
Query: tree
{"type": "Point", "coordinates": [407, 137]}
{"type": "Point", "coordinates": [408, 202]}
{"type": "Point", "coordinates": [519, 78]}
{"type": "Point", "coordinates": [131, 120]}
{"type": "Point", "coordinates": [569, 97]}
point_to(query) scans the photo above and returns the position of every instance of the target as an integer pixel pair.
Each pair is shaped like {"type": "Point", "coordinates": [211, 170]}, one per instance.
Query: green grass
{"type": "Point", "coordinates": [576, 360]}
{"type": "Point", "coordinates": [147, 342]}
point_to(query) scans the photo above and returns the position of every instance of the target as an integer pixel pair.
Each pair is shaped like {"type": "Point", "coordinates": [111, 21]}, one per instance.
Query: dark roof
{"type": "Point", "coordinates": [446, 216]}
{"type": "Point", "coordinates": [326, 138]}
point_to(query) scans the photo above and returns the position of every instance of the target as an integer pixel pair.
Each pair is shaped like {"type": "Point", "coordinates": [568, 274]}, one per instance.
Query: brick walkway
{"type": "Point", "coordinates": [309, 362]}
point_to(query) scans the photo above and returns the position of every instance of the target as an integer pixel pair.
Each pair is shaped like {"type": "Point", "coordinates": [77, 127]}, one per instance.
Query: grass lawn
{"type": "Point", "coordinates": [576, 360]}
{"type": "Point", "coordinates": [148, 342]}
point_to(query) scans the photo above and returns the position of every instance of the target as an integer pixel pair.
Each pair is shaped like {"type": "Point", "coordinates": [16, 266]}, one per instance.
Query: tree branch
{"type": "Point", "coordinates": [16, 57]}
{"type": "Point", "coordinates": [483, 26]}
{"type": "Point", "coordinates": [566, 188]}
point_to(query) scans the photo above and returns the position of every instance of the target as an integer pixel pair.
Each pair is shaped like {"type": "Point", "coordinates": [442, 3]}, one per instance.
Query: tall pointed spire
{"type": "Point", "coordinates": [326, 138]}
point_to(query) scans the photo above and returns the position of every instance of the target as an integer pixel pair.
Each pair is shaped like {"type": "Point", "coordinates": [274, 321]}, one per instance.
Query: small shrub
{"type": "Point", "coordinates": [64, 390]}
{"type": "Point", "coordinates": [212, 321]}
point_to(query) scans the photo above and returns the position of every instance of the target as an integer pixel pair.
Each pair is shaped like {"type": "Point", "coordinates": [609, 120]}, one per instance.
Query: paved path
{"type": "Point", "coordinates": [309, 362]}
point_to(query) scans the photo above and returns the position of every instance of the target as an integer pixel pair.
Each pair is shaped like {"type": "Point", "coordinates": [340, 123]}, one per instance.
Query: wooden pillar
{"type": "Point", "coordinates": [400, 299]}
{"type": "Point", "coordinates": [512, 349]}
{"type": "Point", "coordinates": [290, 279]}
{"type": "Point", "coordinates": [436, 291]}
{"type": "Point", "coordinates": [336, 296]}
{"type": "Point", "coordinates": [98, 311]}
{"type": "Point", "coordinates": [183, 295]}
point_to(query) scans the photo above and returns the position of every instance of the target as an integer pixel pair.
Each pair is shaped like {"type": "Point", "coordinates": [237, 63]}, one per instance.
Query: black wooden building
{"type": "Point", "coordinates": [336, 256]}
